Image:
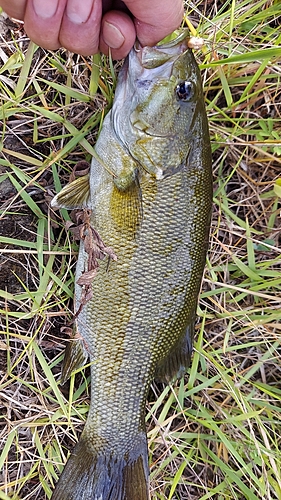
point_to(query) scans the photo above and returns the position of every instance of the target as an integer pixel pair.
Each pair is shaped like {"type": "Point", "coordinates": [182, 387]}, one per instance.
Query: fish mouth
{"type": "Point", "coordinates": [153, 57]}
{"type": "Point", "coordinates": [177, 37]}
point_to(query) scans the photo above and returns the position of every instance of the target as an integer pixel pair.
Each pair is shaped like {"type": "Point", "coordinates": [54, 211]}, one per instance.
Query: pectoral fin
{"type": "Point", "coordinates": [73, 195]}
{"type": "Point", "coordinates": [126, 204]}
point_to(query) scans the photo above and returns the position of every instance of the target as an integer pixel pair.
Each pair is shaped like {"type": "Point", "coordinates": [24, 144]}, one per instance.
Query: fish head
{"type": "Point", "coordinates": [158, 103]}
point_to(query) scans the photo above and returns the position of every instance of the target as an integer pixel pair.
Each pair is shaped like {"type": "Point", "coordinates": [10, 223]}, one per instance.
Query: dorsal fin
{"type": "Point", "coordinates": [178, 359]}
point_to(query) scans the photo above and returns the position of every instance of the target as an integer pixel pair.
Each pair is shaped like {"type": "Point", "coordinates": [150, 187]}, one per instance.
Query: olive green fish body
{"type": "Point", "coordinates": [155, 214]}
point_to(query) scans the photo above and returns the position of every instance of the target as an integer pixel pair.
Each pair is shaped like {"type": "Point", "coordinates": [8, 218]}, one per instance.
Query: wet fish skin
{"type": "Point", "coordinates": [154, 212]}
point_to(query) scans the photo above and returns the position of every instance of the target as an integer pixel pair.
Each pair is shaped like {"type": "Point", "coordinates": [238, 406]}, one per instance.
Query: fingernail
{"type": "Point", "coordinates": [78, 11]}
{"type": "Point", "coordinates": [112, 36]}
{"type": "Point", "coordinates": [44, 9]}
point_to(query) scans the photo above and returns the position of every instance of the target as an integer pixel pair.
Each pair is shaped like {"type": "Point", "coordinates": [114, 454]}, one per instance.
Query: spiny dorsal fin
{"type": "Point", "coordinates": [73, 195]}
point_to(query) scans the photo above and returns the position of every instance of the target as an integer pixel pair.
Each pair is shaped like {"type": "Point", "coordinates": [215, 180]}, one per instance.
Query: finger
{"type": "Point", "coordinates": [80, 29]}
{"type": "Point", "coordinates": [42, 22]}
{"type": "Point", "coordinates": [155, 19]}
{"type": "Point", "coordinates": [117, 33]}
{"type": "Point", "coordinates": [14, 8]}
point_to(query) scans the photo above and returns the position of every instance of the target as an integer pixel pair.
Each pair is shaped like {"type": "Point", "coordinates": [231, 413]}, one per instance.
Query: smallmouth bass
{"type": "Point", "coordinates": [154, 214]}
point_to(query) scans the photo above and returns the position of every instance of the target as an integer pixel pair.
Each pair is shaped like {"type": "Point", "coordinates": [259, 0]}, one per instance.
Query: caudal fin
{"type": "Point", "coordinates": [91, 475]}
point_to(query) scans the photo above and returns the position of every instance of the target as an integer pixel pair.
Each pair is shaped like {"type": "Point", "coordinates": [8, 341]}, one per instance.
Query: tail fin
{"type": "Point", "coordinates": [90, 475]}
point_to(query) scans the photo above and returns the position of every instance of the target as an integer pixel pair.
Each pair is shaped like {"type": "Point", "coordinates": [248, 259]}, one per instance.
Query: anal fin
{"type": "Point", "coordinates": [75, 356]}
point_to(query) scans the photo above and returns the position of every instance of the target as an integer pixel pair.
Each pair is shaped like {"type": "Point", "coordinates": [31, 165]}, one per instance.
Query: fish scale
{"type": "Point", "coordinates": [154, 212]}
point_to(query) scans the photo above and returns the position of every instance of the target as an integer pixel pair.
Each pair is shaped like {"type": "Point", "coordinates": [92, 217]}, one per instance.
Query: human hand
{"type": "Point", "coordinates": [90, 26]}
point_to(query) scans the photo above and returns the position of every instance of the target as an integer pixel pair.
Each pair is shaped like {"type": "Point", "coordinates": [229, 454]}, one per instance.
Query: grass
{"type": "Point", "coordinates": [217, 433]}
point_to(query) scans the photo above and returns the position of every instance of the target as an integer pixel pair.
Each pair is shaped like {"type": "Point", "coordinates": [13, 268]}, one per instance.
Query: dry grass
{"type": "Point", "coordinates": [216, 434]}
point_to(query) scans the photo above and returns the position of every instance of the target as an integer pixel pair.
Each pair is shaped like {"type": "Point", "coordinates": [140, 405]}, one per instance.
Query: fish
{"type": "Point", "coordinates": [147, 204]}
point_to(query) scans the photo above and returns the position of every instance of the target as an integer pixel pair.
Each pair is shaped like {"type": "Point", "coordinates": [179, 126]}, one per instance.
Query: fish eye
{"type": "Point", "coordinates": [184, 91]}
